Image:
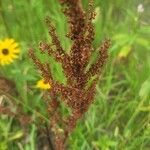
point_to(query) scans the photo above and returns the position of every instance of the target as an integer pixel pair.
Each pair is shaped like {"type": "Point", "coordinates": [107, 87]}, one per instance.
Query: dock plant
{"type": "Point", "coordinates": [81, 74]}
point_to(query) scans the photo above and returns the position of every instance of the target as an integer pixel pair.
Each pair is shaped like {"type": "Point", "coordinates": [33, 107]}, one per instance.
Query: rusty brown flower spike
{"type": "Point", "coordinates": [76, 94]}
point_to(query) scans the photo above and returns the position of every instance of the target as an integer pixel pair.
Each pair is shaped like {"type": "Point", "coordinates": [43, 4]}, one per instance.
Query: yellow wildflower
{"type": "Point", "coordinates": [41, 84]}
{"type": "Point", "coordinates": [9, 51]}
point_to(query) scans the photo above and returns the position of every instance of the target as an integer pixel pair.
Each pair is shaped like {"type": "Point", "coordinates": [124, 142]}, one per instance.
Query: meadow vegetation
{"type": "Point", "coordinates": [119, 118]}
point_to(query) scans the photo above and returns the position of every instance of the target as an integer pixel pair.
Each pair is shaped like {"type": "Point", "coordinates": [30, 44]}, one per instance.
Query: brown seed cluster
{"type": "Point", "coordinates": [77, 94]}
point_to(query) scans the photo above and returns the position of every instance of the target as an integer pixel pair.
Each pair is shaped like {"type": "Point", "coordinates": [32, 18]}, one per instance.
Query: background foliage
{"type": "Point", "coordinates": [120, 117]}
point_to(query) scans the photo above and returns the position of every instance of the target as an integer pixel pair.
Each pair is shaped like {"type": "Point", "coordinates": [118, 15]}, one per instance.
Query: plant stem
{"type": "Point", "coordinates": [51, 145]}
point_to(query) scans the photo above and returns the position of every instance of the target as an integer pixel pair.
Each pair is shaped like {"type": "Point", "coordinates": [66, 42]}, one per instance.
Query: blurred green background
{"type": "Point", "coordinates": [120, 117]}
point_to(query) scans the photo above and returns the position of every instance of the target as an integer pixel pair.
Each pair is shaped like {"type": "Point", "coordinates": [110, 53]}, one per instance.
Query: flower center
{"type": "Point", "coordinates": [5, 51]}
{"type": "Point", "coordinates": [45, 82]}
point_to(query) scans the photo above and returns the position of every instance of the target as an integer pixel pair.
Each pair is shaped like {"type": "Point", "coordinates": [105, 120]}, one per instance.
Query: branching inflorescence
{"type": "Point", "coordinates": [77, 94]}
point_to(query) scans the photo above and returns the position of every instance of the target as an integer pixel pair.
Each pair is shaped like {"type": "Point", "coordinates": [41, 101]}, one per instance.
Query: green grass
{"type": "Point", "coordinates": [119, 119]}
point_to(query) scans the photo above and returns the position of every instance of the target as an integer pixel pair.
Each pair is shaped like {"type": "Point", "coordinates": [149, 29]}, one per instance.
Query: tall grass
{"type": "Point", "coordinates": [120, 117]}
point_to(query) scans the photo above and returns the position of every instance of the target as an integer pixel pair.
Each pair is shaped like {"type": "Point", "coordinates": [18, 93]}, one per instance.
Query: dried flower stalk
{"type": "Point", "coordinates": [76, 94]}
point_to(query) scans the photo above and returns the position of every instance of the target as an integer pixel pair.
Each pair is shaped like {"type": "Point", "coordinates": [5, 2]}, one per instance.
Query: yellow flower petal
{"type": "Point", "coordinates": [9, 41]}
{"type": "Point", "coordinates": [14, 46]}
{"type": "Point", "coordinates": [42, 85]}
{"type": "Point", "coordinates": [14, 56]}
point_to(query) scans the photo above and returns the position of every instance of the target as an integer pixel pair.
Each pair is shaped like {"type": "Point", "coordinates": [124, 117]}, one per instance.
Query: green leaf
{"type": "Point", "coordinates": [145, 89]}
{"type": "Point", "coordinates": [16, 136]}
{"type": "Point", "coordinates": [143, 42]}
{"type": "Point", "coordinates": [3, 145]}
{"type": "Point", "coordinates": [145, 108]}
{"type": "Point", "coordinates": [124, 52]}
